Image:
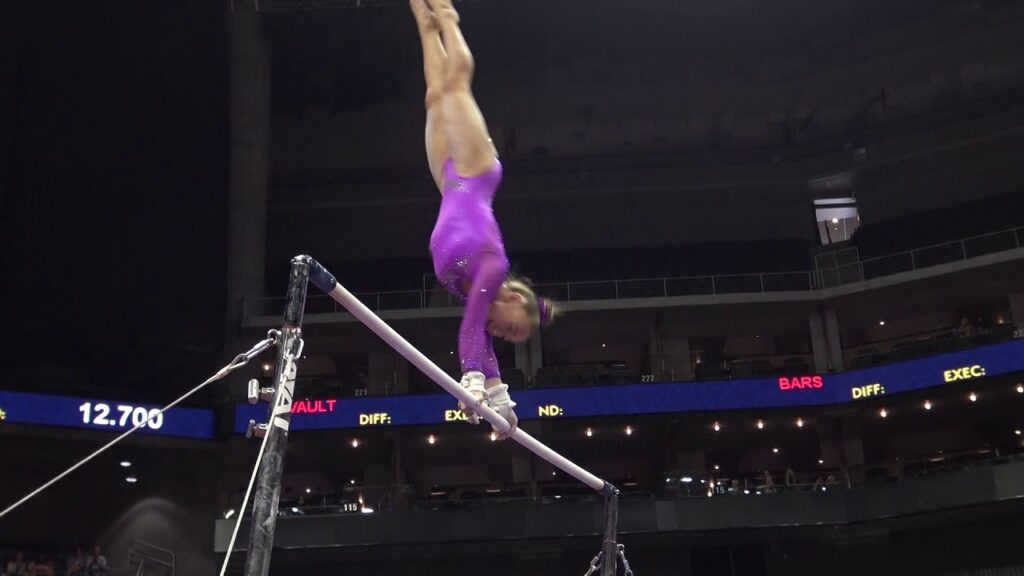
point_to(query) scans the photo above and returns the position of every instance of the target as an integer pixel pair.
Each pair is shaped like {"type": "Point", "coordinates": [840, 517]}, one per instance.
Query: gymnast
{"type": "Point", "coordinates": [466, 244]}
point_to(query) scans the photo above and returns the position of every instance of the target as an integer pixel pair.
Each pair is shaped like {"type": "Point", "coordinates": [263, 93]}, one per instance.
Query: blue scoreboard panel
{"type": "Point", "coordinates": [97, 414]}
{"type": "Point", "coordinates": [652, 398]}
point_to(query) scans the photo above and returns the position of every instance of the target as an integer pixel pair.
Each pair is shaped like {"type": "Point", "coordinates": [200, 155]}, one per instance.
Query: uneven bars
{"type": "Point", "coordinates": [325, 281]}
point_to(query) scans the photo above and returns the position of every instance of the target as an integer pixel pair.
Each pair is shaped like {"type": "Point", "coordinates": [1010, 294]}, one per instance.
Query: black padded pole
{"type": "Point", "coordinates": [268, 485]}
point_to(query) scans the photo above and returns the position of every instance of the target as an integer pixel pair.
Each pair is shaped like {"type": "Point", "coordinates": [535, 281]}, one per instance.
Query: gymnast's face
{"type": "Point", "coordinates": [507, 318]}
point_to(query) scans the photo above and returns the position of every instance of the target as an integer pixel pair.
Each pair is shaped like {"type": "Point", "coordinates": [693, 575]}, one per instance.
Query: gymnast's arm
{"type": "Point", "coordinates": [476, 350]}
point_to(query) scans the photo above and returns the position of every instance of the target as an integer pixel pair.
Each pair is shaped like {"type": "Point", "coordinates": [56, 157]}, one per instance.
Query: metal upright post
{"type": "Point", "coordinates": [609, 549]}
{"type": "Point", "coordinates": [268, 487]}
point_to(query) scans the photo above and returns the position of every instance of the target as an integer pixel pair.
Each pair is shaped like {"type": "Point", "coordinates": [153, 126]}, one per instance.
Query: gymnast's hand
{"type": "Point", "coordinates": [473, 381]}
{"type": "Point", "coordinates": [509, 415]}
{"type": "Point", "coordinates": [499, 401]}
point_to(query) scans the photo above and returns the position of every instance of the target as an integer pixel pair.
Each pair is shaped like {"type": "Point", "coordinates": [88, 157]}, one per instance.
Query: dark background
{"type": "Point", "coordinates": [114, 145]}
{"type": "Point", "coordinates": [113, 179]}
{"type": "Point", "coordinates": [640, 139]}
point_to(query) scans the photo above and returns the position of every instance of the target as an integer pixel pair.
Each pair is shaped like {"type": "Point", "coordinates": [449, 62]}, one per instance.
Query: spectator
{"type": "Point", "coordinates": [768, 484]}
{"type": "Point", "coordinates": [790, 478]}
{"type": "Point", "coordinates": [43, 567]}
{"type": "Point", "coordinates": [96, 563]}
{"type": "Point", "coordinates": [16, 566]}
{"type": "Point", "coordinates": [76, 564]}
{"type": "Point", "coordinates": [831, 481]}
{"type": "Point", "coordinates": [967, 328]}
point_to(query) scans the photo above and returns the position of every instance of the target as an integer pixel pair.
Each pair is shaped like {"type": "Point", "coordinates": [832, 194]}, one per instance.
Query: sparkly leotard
{"type": "Point", "coordinates": [469, 259]}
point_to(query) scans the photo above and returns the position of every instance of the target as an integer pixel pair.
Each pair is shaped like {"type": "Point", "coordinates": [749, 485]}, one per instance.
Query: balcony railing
{"type": "Point", "coordinates": [566, 292]}
{"type": "Point", "coordinates": [926, 257]}
{"type": "Point", "coordinates": [714, 285]}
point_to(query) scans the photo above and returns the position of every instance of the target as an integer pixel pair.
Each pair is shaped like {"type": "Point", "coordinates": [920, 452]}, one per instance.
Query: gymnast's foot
{"type": "Point", "coordinates": [444, 9]}
{"type": "Point", "coordinates": [424, 15]}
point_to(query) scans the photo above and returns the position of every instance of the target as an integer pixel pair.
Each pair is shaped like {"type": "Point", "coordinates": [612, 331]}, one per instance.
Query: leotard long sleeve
{"type": "Point", "coordinates": [470, 261]}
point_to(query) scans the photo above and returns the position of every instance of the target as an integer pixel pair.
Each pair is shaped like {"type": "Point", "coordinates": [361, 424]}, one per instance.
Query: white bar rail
{"type": "Point", "coordinates": [326, 282]}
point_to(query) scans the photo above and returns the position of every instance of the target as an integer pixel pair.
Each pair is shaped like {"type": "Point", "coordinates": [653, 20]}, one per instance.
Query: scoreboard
{"type": "Point", "coordinates": [950, 369]}
{"type": "Point", "coordinates": [103, 414]}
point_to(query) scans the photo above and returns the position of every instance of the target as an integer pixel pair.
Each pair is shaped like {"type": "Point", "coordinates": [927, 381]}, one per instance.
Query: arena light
{"type": "Point", "coordinates": [883, 413]}
{"type": "Point", "coordinates": [820, 461]}
{"type": "Point", "coordinates": [747, 492]}
{"type": "Point", "coordinates": [775, 450]}
{"type": "Point", "coordinates": [629, 430]}
{"type": "Point", "coordinates": [131, 479]}
{"type": "Point", "coordinates": [494, 436]}
{"type": "Point", "coordinates": [760, 424]}
{"type": "Point", "coordinates": [266, 367]}
{"type": "Point", "coordinates": [973, 397]}
{"type": "Point", "coordinates": [309, 490]}
{"type": "Point", "coordinates": [352, 482]}
{"type": "Point", "coordinates": [125, 464]}
{"type": "Point", "coordinates": [355, 442]}
{"type": "Point", "coordinates": [431, 440]}
{"type": "Point", "coordinates": [686, 479]}
{"type": "Point", "coordinates": [589, 432]}
{"type": "Point", "coordinates": [717, 426]}
{"type": "Point", "coordinates": [668, 480]}
{"type": "Point", "coordinates": [799, 422]}
{"type": "Point", "coordinates": [927, 405]}
{"type": "Point", "coordinates": [366, 510]}
{"type": "Point", "coordinates": [716, 466]}
{"type": "Point", "coordinates": [881, 322]}
{"type": "Point", "coordinates": [1017, 432]}
{"type": "Point", "coordinates": [1020, 388]}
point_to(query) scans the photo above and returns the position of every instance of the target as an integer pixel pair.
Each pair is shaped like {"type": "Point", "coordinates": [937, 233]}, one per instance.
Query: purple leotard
{"type": "Point", "coordinates": [469, 259]}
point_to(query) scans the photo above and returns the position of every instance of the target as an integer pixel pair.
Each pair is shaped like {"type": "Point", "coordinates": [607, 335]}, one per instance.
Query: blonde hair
{"type": "Point", "coordinates": [533, 302]}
